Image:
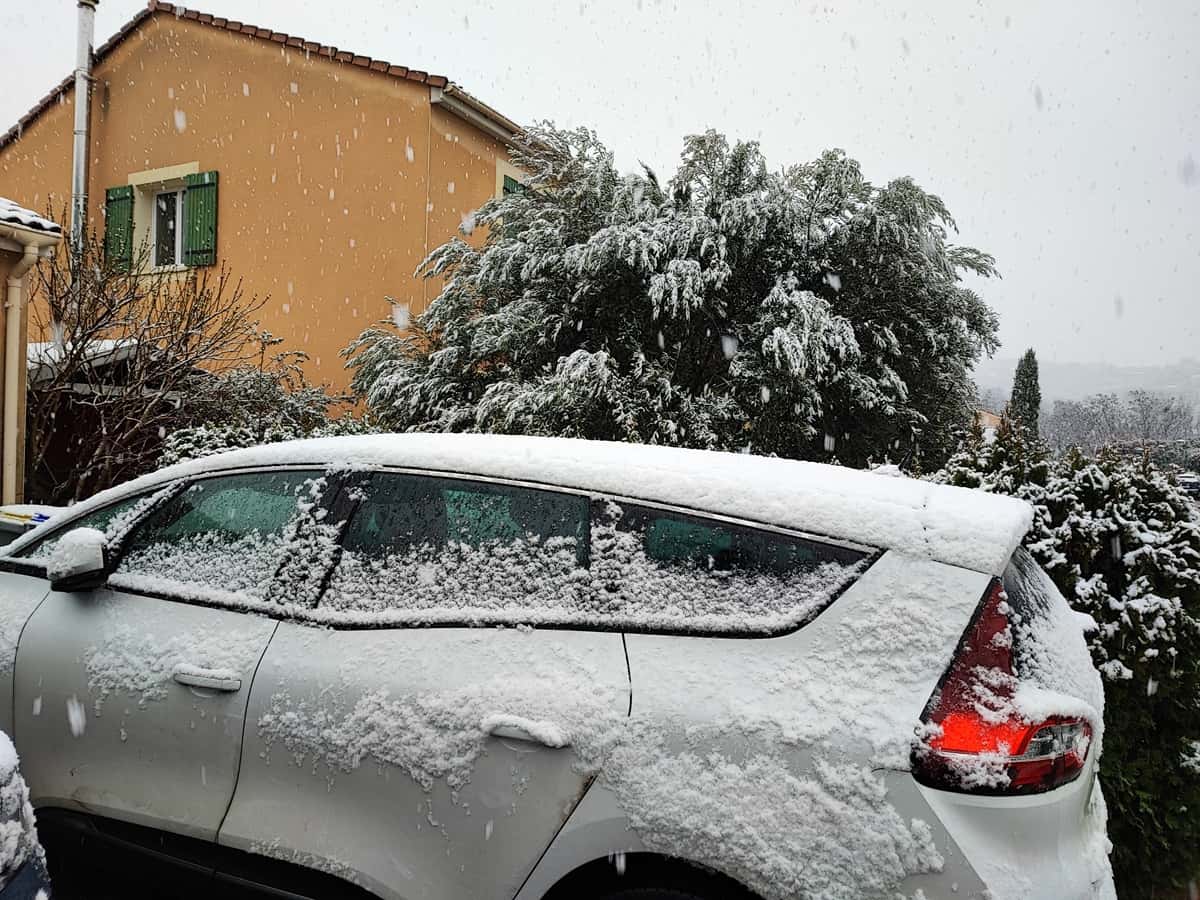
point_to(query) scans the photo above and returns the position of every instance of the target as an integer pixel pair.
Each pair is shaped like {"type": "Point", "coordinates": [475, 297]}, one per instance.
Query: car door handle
{"type": "Point", "coordinates": [213, 679]}
{"type": "Point", "coordinates": [518, 728]}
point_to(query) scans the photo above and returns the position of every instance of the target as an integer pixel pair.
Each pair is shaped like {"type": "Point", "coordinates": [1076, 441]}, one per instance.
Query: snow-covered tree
{"type": "Point", "coordinates": [126, 345]}
{"type": "Point", "coordinates": [802, 312]}
{"type": "Point", "coordinates": [1026, 403]}
{"type": "Point", "coordinates": [1120, 541]}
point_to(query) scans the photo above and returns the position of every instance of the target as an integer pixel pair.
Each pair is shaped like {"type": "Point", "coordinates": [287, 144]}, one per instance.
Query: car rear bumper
{"type": "Point", "coordinates": [1051, 845]}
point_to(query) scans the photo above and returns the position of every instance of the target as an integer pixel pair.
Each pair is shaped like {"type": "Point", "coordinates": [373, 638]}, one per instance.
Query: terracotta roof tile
{"type": "Point", "coordinates": [278, 37]}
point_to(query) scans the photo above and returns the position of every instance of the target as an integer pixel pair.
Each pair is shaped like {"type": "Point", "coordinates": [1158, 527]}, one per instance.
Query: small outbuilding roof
{"type": "Point", "coordinates": [12, 214]}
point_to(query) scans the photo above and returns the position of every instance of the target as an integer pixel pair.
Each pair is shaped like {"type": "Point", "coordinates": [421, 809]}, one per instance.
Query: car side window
{"type": "Point", "coordinates": [428, 549]}
{"type": "Point", "coordinates": [106, 519]}
{"type": "Point", "coordinates": [223, 534]}
{"type": "Point", "coordinates": [665, 570]}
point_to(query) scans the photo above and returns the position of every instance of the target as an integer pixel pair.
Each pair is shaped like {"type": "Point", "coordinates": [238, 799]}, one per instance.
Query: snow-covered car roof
{"type": "Point", "coordinates": [952, 525]}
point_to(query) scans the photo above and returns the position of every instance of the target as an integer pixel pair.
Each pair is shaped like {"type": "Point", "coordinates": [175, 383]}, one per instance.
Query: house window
{"type": "Point", "coordinates": [168, 228]}
{"type": "Point", "coordinates": [163, 219]}
{"type": "Point", "coordinates": [511, 186]}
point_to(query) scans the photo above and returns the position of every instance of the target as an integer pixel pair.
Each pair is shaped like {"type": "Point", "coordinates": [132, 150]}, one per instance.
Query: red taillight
{"type": "Point", "coordinates": [975, 740]}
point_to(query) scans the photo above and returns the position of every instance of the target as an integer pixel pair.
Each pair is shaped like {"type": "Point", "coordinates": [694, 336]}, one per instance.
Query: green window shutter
{"type": "Point", "coordinates": [200, 220]}
{"type": "Point", "coordinates": [118, 227]}
{"type": "Point", "coordinates": [512, 186]}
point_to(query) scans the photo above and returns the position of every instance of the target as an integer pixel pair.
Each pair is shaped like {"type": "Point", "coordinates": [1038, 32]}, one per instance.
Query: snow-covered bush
{"type": "Point", "coordinates": [256, 404]}
{"type": "Point", "coordinates": [798, 312]}
{"type": "Point", "coordinates": [1120, 541]}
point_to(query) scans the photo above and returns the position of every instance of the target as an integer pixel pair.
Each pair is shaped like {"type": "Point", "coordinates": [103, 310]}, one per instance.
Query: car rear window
{"type": "Point", "coordinates": [666, 570]}
{"type": "Point", "coordinates": [429, 550]}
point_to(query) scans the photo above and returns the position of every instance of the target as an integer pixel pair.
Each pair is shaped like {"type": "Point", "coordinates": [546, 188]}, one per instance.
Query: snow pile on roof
{"type": "Point", "coordinates": [43, 358]}
{"type": "Point", "coordinates": [18, 215]}
{"type": "Point", "coordinates": [953, 525]}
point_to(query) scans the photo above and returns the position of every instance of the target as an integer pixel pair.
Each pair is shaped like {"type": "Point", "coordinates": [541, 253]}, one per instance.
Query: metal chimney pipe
{"type": "Point", "coordinates": [83, 76]}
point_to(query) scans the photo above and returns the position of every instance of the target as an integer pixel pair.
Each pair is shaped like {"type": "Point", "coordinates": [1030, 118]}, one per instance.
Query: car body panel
{"type": "Point", "coordinates": [20, 595]}
{"type": "Point", "coordinates": [804, 728]}
{"type": "Point", "coordinates": [365, 755]}
{"type": "Point", "coordinates": [1032, 846]}
{"type": "Point", "coordinates": [103, 726]}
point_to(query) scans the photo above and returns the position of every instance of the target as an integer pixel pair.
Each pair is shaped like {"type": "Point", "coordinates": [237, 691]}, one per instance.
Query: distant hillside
{"type": "Point", "coordinates": [1071, 381]}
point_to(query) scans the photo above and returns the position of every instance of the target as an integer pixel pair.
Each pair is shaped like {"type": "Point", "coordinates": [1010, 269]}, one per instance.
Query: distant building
{"type": "Point", "coordinates": [987, 419]}
{"type": "Point", "coordinates": [320, 177]}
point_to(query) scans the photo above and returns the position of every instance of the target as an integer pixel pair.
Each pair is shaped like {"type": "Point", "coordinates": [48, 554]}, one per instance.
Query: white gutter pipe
{"type": "Point", "coordinates": [454, 103]}
{"type": "Point", "coordinates": [83, 76]}
{"type": "Point", "coordinates": [35, 245]}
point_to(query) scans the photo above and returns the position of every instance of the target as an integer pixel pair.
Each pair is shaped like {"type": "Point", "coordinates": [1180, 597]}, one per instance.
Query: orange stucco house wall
{"type": "Point", "coordinates": [337, 173]}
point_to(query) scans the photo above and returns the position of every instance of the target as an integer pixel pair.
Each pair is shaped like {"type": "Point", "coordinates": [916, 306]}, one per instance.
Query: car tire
{"type": "Point", "coordinates": [654, 893]}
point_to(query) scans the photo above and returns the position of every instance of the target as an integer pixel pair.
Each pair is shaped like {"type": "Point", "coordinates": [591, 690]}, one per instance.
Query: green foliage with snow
{"type": "Point", "coordinates": [798, 312]}
{"type": "Point", "coordinates": [1026, 402]}
{"type": "Point", "coordinates": [1121, 542]}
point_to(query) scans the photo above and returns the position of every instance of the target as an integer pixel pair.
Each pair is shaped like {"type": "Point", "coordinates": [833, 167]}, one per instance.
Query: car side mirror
{"type": "Point", "coordinates": [77, 562]}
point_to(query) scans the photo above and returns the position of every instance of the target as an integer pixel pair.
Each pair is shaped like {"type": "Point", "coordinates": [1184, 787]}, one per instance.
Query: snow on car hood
{"type": "Point", "coordinates": [957, 526]}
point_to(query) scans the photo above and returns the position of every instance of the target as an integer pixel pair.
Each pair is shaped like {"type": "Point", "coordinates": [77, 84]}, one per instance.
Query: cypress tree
{"type": "Point", "coordinates": [1026, 393]}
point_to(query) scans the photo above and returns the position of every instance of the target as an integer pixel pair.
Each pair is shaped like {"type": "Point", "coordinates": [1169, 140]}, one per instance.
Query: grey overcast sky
{"type": "Point", "coordinates": [1064, 136]}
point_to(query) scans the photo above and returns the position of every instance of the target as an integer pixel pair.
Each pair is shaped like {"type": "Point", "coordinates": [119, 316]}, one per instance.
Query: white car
{"type": "Point", "coordinates": [463, 666]}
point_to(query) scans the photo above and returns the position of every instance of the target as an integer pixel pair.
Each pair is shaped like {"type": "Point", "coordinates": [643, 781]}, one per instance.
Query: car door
{"type": "Point", "coordinates": [409, 738]}
{"type": "Point", "coordinates": [130, 699]}
{"type": "Point", "coordinates": [23, 586]}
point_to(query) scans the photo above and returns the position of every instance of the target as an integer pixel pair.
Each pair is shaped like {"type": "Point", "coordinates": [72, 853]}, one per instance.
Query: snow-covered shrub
{"type": "Point", "coordinates": [794, 312]}
{"type": "Point", "coordinates": [256, 404]}
{"type": "Point", "coordinates": [1120, 541]}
